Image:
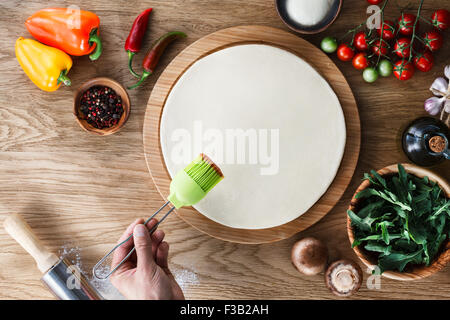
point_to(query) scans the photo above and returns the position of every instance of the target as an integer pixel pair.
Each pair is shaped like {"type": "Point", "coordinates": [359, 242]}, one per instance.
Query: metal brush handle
{"type": "Point", "coordinates": [94, 270]}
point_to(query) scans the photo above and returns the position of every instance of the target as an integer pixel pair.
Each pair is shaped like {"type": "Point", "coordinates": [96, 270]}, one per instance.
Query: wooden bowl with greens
{"type": "Point", "coordinates": [399, 222]}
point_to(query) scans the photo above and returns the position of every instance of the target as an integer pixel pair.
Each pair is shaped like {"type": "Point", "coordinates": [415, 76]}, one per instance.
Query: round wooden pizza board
{"type": "Point", "coordinates": [236, 36]}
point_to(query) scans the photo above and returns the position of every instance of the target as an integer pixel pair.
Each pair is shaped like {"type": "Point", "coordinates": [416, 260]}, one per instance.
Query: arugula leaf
{"type": "Point", "coordinates": [403, 219]}
{"type": "Point", "coordinates": [377, 247]}
{"type": "Point", "coordinates": [405, 246]}
{"type": "Point", "coordinates": [379, 178]}
{"type": "Point", "coordinates": [356, 243]}
{"type": "Point", "coordinates": [406, 235]}
{"type": "Point", "coordinates": [433, 247]}
{"type": "Point", "coordinates": [370, 209]}
{"type": "Point", "coordinates": [418, 232]}
{"type": "Point", "coordinates": [398, 188]}
{"type": "Point", "coordinates": [387, 195]}
{"type": "Point", "coordinates": [379, 237]}
{"type": "Point", "coordinates": [398, 260]}
{"type": "Point", "coordinates": [366, 193]}
{"type": "Point", "coordinates": [357, 221]}
{"type": "Point", "coordinates": [384, 232]}
{"type": "Point", "coordinates": [403, 176]}
{"type": "Point", "coordinates": [435, 193]}
{"type": "Point", "coordinates": [439, 210]}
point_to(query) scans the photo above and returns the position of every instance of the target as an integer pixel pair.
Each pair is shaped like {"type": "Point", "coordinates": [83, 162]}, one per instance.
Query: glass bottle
{"type": "Point", "coordinates": [426, 141]}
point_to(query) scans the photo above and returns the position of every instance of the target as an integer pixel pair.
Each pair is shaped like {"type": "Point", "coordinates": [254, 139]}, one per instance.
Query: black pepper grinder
{"type": "Point", "coordinates": [426, 141]}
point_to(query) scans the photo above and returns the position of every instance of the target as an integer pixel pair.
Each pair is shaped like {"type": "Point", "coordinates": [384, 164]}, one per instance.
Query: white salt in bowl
{"type": "Point", "coordinates": [291, 14]}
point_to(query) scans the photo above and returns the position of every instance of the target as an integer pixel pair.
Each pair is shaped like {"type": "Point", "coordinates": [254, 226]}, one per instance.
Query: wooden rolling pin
{"type": "Point", "coordinates": [63, 279]}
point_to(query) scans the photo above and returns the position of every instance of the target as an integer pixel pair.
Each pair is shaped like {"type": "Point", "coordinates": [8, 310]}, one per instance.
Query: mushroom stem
{"type": "Point", "coordinates": [344, 277]}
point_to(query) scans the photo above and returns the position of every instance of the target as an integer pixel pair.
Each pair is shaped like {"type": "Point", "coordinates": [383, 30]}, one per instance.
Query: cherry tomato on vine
{"type": "Point", "coordinates": [433, 40]}
{"type": "Point", "coordinates": [424, 61]}
{"type": "Point", "coordinates": [345, 52]}
{"type": "Point", "coordinates": [329, 44]}
{"type": "Point", "coordinates": [403, 70]}
{"type": "Point", "coordinates": [370, 74]}
{"type": "Point", "coordinates": [441, 19]}
{"type": "Point", "coordinates": [360, 61]}
{"type": "Point", "coordinates": [402, 47]}
{"type": "Point", "coordinates": [374, 1]}
{"type": "Point", "coordinates": [380, 49]}
{"type": "Point", "coordinates": [388, 30]}
{"type": "Point", "coordinates": [405, 24]}
{"type": "Point", "coordinates": [384, 68]}
{"type": "Point", "coordinates": [360, 41]}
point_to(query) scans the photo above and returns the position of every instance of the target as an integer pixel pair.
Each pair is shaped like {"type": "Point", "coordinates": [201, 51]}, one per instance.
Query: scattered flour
{"type": "Point", "coordinates": [104, 287]}
{"type": "Point", "coordinates": [73, 254]}
{"type": "Point", "coordinates": [185, 278]}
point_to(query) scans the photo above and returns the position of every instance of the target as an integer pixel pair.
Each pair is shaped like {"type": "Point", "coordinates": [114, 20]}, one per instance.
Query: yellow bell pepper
{"type": "Point", "coordinates": [46, 66]}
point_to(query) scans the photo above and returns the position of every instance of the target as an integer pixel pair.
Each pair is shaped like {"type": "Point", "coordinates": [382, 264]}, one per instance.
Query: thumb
{"type": "Point", "coordinates": [143, 245]}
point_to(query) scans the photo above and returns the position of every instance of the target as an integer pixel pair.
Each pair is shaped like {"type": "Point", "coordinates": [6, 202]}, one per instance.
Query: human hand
{"type": "Point", "coordinates": [145, 275]}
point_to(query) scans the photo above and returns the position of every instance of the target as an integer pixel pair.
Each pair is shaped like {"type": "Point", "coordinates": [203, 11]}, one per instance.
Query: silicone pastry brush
{"type": "Point", "coordinates": [188, 187]}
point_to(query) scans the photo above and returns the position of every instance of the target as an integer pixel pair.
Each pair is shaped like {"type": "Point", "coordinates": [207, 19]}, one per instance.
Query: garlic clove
{"type": "Point", "coordinates": [433, 105]}
{"type": "Point", "coordinates": [439, 87]}
{"type": "Point", "coordinates": [447, 71]}
{"type": "Point", "coordinates": [447, 106]}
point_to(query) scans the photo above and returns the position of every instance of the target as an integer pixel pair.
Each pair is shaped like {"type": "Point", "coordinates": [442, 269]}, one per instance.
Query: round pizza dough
{"type": "Point", "coordinates": [288, 116]}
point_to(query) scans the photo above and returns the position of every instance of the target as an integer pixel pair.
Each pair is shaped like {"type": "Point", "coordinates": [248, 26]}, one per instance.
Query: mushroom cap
{"type": "Point", "coordinates": [344, 277]}
{"type": "Point", "coordinates": [309, 256]}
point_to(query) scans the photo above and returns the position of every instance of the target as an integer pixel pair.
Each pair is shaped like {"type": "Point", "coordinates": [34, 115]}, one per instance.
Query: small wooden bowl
{"type": "Point", "coordinates": [107, 82]}
{"type": "Point", "coordinates": [412, 272]}
{"type": "Point", "coordinates": [297, 27]}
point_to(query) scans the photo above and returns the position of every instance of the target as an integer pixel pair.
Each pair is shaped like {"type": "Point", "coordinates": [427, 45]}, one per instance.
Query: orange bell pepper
{"type": "Point", "coordinates": [74, 31]}
{"type": "Point", "coordinates": [46, 66]}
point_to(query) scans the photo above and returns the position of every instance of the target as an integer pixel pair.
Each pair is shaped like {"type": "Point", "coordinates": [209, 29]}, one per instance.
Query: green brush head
{"type": "Point", "coordinates": [191, 185]}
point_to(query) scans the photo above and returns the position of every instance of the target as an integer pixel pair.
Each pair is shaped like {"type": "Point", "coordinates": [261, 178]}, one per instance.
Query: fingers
{"type": "Point", "coordinates": [157, 238]}
{"type": "Point", "coordinates": [147, 246]}
{"type": "Point", "coordinates": [151, 223]}
{"type": "Point", "coordinates": [162, 255]}
{"type": "Point", "coordinates": [143, 245]}
{"type": "Point", "coordinates": [123, 250]}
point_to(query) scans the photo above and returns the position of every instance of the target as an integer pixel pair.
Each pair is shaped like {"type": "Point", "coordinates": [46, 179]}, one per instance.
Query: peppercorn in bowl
{"type": "Point", "coordinates": [101, 106]}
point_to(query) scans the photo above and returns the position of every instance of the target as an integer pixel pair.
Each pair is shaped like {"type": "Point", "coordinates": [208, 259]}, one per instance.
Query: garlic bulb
{"type": "Point", "coordinates": [447, 72]}
{"type": "Point", "coordinates": [441, 101]}
{"type": "Point", "coordinates": [433, 105]}
{"type": "Point", "coordinates": [447, 106]}
{"type": "Point", "coordinates": [439, 86]}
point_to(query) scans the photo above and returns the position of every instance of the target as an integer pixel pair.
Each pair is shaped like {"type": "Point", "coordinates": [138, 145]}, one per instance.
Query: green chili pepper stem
{"type": "Point", "coordinates": [94, 38]}
{"type": "Point", "coordinates": [64, 78]}
{"type": "Point", "coordinates": [130, 63]}
{"type": "Point", "coordinates": [144, 76]}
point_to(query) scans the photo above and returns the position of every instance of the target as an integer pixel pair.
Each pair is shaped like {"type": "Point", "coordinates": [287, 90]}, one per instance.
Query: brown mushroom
{"type": "Point", "coordinates": [309, 256]}
{"type": "Point", "coordinates": [344, 277]}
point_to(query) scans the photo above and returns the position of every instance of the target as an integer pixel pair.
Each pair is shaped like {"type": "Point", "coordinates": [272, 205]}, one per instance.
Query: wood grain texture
{"type": "Point", "coordinates": [74, 188]}
{"type": "Point", "coordinates": [237, 36]}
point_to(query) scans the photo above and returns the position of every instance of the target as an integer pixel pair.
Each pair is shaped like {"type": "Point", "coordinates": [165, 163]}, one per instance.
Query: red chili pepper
{"type": "Point", "coordinates": [134, 40]}
{"type": "Point", "coordinates": [154, 53]}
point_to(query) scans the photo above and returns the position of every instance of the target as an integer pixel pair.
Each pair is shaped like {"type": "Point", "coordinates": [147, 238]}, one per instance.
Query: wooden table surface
{"type": "Point", "coordinates": [80, 190]}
